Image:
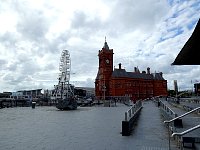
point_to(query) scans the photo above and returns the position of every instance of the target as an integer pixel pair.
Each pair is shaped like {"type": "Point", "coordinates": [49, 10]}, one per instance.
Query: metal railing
{"type": "Point", "coordinates": [133, 110]}
{"type": "Point", "coordinates": [186, 131]}
{"type": "Point", "coordinates": [167, 109]}
{"type": "Point", "coordinates": [187, 113]}
{"type": "Point", "coordinates": [178, 136]}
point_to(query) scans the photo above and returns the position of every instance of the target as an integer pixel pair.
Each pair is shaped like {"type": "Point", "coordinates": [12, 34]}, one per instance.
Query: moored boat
{"type": "Point", "coordinates": [67, 104]}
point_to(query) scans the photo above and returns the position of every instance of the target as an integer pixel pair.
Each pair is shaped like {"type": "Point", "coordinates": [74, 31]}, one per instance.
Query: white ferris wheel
{"type": "Point", "coordinates": [63, 89]}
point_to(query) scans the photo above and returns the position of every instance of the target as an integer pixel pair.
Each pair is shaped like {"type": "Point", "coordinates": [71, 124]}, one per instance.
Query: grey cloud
{"type": "Point", "coordinates": [8, 78]}
{"type": "Point", "coordinates": [81, 19]}
{"type": "Point", "coordinates": [19, 81]}
{"type": "Point", "coordinates": [9, 40]}
{"type": "Point", "coordinates": [12, 67]}
{"type": "Point", "coordinates": [85, 26]}
{"type": "Point", "coordinates": [7, 37]}
{"type": "Point", "coordinates": [2, 62]}
{"type": "Point", "coordinates": [30, 68]}
{"type": "Point", "coordinates": [58, 43]}
{"type": "Point", "coordinates": [24, 65]}
{"type": "Point", "coordinates": [50, 66]}
{"type": "Point", "coordinates": [132, 14]}
{"type": "Point", "coordinates": [89, 82]}
{"type": "Point", "coordinates": [33, 25]}
{"type": "Point", "coordinates": [13, 79]}
{"type": "Point", "coordinates": [82, 61]}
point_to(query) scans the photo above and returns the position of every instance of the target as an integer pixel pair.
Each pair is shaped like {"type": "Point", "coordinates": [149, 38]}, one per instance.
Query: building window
{"type": "Point", "coordinates": [117, 85]}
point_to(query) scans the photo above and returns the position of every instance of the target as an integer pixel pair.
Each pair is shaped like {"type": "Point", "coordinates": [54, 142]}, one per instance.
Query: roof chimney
{"type": "Point", "coordinates": [120, 66]}
{"type": "Point", "coordinates": [148, 70]}
{"type": "Point", "coordinates": [135, 69]}
{"type": "Point", "coordinates": [161, 74]}
{"type": "Point", "coordinates": [144, 72]}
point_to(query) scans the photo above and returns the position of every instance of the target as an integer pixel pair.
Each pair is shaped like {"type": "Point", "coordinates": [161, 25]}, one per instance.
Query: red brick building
{"type": "Point", "coordinates": [119, 82]}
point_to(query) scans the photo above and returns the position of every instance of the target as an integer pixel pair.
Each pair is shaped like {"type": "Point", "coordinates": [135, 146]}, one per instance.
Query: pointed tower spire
{"type": "Point", "coordinates": [106, 45]}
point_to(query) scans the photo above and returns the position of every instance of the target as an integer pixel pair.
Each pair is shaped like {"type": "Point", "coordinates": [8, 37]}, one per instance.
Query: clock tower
{"type": "Point", "coordinates": [105, 71]}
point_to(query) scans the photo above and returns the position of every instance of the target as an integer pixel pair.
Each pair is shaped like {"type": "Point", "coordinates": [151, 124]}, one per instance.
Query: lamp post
{"type": "Point", "coordinates": [104, 91]}
{"type": "Point", "coordinates": [169, 136]}
{"type": "Point", "coordinates": [104, 88]}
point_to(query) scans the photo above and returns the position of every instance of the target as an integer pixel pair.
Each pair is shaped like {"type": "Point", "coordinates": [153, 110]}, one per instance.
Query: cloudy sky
{"type": "Point", "coordinates": [143, 33]}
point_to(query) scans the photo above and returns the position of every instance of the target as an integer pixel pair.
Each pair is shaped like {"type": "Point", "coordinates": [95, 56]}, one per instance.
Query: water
{"type": "Point", "coordinates": [87, 128]}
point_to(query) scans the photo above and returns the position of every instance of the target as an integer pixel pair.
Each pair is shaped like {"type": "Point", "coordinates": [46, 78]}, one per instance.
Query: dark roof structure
{"type": "Point", "coordinates": [121, 73]}
{"type": "Point", "coordinates": [190, 53]}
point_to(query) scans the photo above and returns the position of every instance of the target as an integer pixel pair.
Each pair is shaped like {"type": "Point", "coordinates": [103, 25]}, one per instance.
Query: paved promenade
{"type": "Point", "coordinates": [150, 130]}
{"type": "Point", "coordinates": [88, 128]}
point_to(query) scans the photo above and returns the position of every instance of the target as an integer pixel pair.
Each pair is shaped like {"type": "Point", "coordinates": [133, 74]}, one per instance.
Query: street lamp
{"type": "Point", "coordinates": [104, 91]}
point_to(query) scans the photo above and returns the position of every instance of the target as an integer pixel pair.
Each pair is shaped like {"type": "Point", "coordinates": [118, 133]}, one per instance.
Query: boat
{"type": "Point", "coordinates": [67, 104]}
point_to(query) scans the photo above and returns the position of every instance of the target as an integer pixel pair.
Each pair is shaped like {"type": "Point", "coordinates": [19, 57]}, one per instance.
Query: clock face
{"type": "Point", "coordinates": [107, 61]}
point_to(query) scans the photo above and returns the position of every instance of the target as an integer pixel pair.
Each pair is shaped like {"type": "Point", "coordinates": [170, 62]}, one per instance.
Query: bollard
{"type": "Point", "coordinates": [33, 105]}
{"type": "Point", "coordinates": [178, 123]}
{"type": "Point", "coordinates": [132, 109]}
{"type": "Point", "coordinates": [158, 104]}
{"type": "Point", "coordinates": [126, 128]}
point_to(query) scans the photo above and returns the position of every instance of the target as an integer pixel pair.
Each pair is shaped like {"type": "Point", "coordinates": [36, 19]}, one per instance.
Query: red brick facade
{"type": "Point", "coordinates": [118, 82]}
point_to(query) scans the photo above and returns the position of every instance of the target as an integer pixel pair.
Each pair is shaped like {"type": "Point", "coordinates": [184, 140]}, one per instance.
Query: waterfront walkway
{"type": "Point", "coordinates": [150, 132]}
{"type": "Point", "coordinates": [87, 128]}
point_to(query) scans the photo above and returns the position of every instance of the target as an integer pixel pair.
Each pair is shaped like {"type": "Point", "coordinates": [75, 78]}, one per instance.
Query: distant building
{"type": "Point", "coordinates": [176, 86]}
{"type": "Point", "coordinates": [136, 84]}
{"type": "Point", "coordinates": [197, 88]}
{"type": "Point", "coordinates": [78, 91]}
{"type": "Point", "coordinates": [84, 91]}
{"type": "Point", "coordinates": [33, 93]}
{"type": "Point", "coordinates": [5, 94]}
